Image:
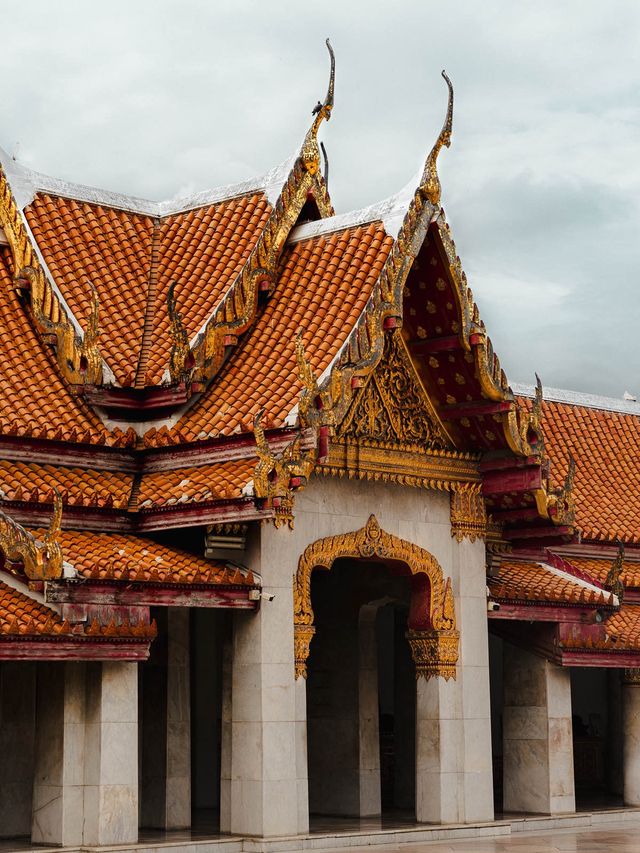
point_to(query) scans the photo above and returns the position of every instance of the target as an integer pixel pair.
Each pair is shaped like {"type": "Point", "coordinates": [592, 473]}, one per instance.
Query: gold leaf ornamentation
{"type": "Point", "coordinates": [41, 560]}
{"type": "Point", "coordinates": [369, 542]}
{"type": "Point", "coordinates": [468, 514]}
{"type": "Point", "coordinates": [393, 406]}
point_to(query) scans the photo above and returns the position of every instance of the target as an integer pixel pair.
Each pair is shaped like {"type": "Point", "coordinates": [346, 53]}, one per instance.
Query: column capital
{"type": "Point", "coordinates": [631, 677]}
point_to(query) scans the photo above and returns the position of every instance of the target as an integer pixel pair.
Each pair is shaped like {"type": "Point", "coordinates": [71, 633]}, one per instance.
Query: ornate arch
{"type": "Point", "coordinates": [431, 632]}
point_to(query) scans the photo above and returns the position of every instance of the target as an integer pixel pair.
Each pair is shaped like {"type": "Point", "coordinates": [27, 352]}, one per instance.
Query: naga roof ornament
{"type": "Point", "coordinates": [78, 357]}
{"type": "Point", "coordinates": [41, 560]}
{"type": "Point", "coordinates": [310, 153]}
{"type": "Point", "coordinates": [430, 183]}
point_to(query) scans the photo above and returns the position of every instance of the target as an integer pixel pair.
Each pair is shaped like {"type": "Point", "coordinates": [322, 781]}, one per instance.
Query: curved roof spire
{"type": "Point", "coordinates": [310, 153]}
{"type": "Point", "coordinates": [430, 183]}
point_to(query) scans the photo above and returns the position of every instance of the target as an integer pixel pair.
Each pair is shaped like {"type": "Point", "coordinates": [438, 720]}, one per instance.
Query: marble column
{"type": "Point", "coordinates": [469, 564]}
{"type": "Point", "coordinates": [537, 735]}
{"type": "Point", "coordinates": [369, 725]}
{"type": "Point", "coordinates": [111, 754]}
{"type": "Point", "coordinates": [264, 775]}
{"type": "Point", "coordinates": [17, 740]}
{"type": "Point", "coordinates": [226, 727]}
{"type": "Point", "coordinates": [166, 728]}
{"type": "Point", "coordinates": [58, 783]}
{"type": "Point", "coordinates": [439, 751]}
{"type": "Point", "coordinates": [631, 737]}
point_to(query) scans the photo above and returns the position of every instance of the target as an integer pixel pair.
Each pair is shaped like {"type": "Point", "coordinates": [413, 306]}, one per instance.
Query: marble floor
{"type": "Point", "coordinates": [615, 838]}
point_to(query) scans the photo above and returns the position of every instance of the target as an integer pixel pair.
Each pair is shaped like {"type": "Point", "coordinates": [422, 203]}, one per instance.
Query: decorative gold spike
{"type": "Point", "coordinates": [430, 184]}
{"type": "Point", "coordinates": [310, 152]}
{"type": "Point", "coordinates": [180, 350]}
{"type": "Point", "coordinates": [613, 581]}
{"type": "Point", "coordinates": [90, 359]}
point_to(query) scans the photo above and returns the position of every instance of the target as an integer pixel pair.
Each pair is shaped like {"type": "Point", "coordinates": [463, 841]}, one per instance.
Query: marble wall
{"type": "Point", "coordinates": [537, 735]}
{"type": "Point", "coordinates": [268, 778]}
{"type": "Point", "coordinates": [631, 743]}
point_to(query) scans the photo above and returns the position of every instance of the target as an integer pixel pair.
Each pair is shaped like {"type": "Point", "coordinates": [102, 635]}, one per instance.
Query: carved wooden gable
{"type": "Point", "coordinates": [393, 406]}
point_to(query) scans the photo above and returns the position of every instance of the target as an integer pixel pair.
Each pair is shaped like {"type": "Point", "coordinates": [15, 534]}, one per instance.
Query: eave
{"type": "Point", "coordinates": [143, 520]}
{"type": "Point", "coordinates": [137, 404]}
{"type": "Point", "coordinates": [110, 593]}
{"type": "Point", "coordinates": [23, 648]}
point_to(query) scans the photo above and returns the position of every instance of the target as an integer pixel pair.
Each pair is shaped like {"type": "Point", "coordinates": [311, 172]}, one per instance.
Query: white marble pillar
{"type": "Point", "coordinates": [58, 783]}
{"type": "Point", "coordinates": [473, 680]}
{"type": "Point", "coordinates": [178, 762]}
{"type": "Point", "coordinates": [537, 735]}
{"type": "Point", "coordinates": [111, 754]}
{"type": "Point", "coordinates": [369, 725]}
{"type": "Point", "coordinates": [264, 772]}
{"type": "Point", "coordinates": [17, 740]}
{"type": "Point", "coordinates": [439, 752]}
{"type": "Point", "coordinates": [631, 737]}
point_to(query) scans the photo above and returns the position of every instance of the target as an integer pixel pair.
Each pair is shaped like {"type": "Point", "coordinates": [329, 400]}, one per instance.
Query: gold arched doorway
{"type": "Point", "coordinates": [431, 626]}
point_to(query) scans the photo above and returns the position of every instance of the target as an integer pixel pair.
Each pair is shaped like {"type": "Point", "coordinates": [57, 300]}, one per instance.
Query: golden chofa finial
{"type": "Point", "coordinates": [430, 184]}
{"type": "Point", "coordinates": [310, 153]}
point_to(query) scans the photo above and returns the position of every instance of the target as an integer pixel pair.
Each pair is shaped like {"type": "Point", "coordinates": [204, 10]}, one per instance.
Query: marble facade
{"type": "Point", "coordinates": [537, 739]}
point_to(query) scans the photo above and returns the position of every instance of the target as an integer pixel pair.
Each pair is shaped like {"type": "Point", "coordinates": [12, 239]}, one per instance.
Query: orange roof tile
{"type": "Point", "coordinates": [113, 556]}
{"type": "Point", "coordinates": [618, 633]}
{"type": "Point", "coordinates": [35, 399]}
{"type": "Point", "coordinates": [599, 568]}
{"type": "Point", "coordinates": [132, 259]}
{"type": "Point", "coordinates": [221, 481]}
{"type": "Point", "coordinates": [21, 615]}
{"type": "Point", "coordinates": [29, 481]}
{"type": "Point", "coordinates": [322, 288]}
{"type": "Point", "coordinates": [530, 581]}
{"type": "Point", "coordinates": [606, 448]}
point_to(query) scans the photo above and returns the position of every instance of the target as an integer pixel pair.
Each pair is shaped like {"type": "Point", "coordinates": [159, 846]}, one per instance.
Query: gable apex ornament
{"type": "Point", "coordinates": [310, 153]}
{"type": "Point", "coordinates": [430, 185]}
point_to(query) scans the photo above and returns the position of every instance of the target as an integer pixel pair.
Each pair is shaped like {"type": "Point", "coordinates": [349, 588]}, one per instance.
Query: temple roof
{"type": "Point", "coordinates": [132, 259]}
{"type": "Point", "coordinates": [603, 437]}
{"type": "Point", "coordinates": [529, 581]}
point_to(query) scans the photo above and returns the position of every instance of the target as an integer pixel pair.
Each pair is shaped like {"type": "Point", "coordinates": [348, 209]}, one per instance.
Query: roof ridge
{"type": "Point", "coordinates": [30, 183]}
{"type": "Point", "coordinates": [150, 310]}
{"type": "Point", "coordinates": [579, 398]}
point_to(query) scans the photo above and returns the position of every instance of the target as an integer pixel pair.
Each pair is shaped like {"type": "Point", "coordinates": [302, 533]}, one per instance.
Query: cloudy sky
{"type": "Point", "coordinates": [160, 98]}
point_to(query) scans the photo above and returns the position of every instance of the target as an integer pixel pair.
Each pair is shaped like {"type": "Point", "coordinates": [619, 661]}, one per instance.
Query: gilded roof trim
{"type": "Point", "coordinates": [78, 357]}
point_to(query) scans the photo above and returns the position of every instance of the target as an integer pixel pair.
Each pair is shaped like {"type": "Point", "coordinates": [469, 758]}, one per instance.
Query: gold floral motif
{"type": "Point", "coordinates": [434, 653]}
{"type": "Point", "coordinates": [373, 542]}
{"type": "Point", "coordinates": [631, 677]}
{"type": "Point", "coordinates": [468, 514]}
{"type": "Point", "coordinates": [40, 560]}
{"type": "Point", "coordinates": [78, 357]}
{"type": "Point", "coordinates": [393, 406]}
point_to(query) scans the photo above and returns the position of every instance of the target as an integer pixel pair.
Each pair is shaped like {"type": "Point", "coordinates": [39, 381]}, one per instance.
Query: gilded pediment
{"type": "Point", "coordinates": [393, 406]}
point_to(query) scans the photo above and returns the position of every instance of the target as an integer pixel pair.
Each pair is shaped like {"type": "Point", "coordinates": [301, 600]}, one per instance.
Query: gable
{"type": "Point", "coordinates": [393, 406]}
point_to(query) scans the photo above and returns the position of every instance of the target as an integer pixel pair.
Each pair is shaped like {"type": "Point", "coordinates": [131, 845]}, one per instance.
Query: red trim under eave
{"type": "Point", "coordinates": [41, 650]}
{"type": "Point", "coordinates": [544, 613]}
{"type": "Point", "coordinates": [138, 593]}
{"type": "Point", "coordinates": [139, 521]}
{"type": "Point", "coordinates": [593, 657]}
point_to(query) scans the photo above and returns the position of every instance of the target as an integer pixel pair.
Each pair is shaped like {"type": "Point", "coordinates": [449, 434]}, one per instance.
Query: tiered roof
{"type": "Point", "coordinates": [187, 363]}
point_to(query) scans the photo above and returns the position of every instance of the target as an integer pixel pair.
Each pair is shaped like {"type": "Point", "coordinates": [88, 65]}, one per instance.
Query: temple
{"type": "Point", "coordinates": [280, 544]}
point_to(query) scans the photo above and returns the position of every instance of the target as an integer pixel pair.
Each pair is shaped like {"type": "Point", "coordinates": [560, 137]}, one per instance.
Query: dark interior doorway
{"type": "Point", "coordinates": [360, 693]}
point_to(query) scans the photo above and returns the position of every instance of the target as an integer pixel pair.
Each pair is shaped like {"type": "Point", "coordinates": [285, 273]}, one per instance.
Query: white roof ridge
{"type": "Point", "coordinates": [26, 183]}
{"type": "Point", "coordinates": [390, 211]}
{"type": "Point", "coordinates": [579, 398]}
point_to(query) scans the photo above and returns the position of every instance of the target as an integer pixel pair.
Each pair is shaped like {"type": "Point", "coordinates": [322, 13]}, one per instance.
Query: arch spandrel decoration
{"type": "Point", "coordinates": [431, 633]}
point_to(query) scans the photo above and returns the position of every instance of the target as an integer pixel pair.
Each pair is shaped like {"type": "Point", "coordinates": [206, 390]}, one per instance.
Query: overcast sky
{"type": "Point", "coordinates": [541, 185]}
